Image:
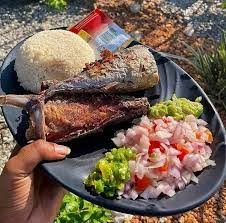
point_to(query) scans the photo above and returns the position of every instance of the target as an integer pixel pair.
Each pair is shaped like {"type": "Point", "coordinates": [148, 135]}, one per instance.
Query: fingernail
{"type": "Point", "coordinates": [63, 150]}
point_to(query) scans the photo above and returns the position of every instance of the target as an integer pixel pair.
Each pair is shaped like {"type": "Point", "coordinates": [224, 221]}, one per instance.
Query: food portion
{"type": "Point", "coordinates": [111, 172]}
{"type": "Point", "coordinates": [178, 108]}
{"type": "Point", "coordinates": [73, 117]}
{"type": "Point", "coordinates": [66, 117]}
{"type": "Point", "coordinates": [128, 70]}
{"type": "Point", "coordinates": [52, 54]}
{"type": "Point", "coordinates": [167, 154]}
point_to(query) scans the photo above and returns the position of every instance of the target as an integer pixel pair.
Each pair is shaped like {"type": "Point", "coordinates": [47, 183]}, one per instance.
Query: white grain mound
{"type": "Point", "coordinates": [52, 54]}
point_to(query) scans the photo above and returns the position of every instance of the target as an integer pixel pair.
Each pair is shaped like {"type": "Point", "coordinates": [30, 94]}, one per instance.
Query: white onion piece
{"type": "Point", "coordinates": [157, 164]}
{"type": "Point", "coordinates": [119, 140]}
{"type": "Point", "coordinates": [211, 163]}
{"type": "Point", "coordinates": [173, 171]}
{"type": "Point", "coordinates": [194, 178]}
{"type": "Point", "coordinates": [186, 177]}
{"type": "Point", "coordinates": [150, 192]}
{"type": "Point", "coordinates": [133, 194]}
{"type": "Point", "coordinates": [170, 193]}
{"type": "Point", "coordinates": [181, 185]}
{"type": "Point", "coordinates": [173, 152]}
{"type": "Point", "coordinates": [201, 122]}
{"type": "Point", "coordinates": [140, 171]}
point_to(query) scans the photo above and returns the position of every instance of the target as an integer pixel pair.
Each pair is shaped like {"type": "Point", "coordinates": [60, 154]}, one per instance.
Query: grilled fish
{"type": "Point", "coordinates": [66, 117]}
{"type": "Point", "coordinates": [129, 70]}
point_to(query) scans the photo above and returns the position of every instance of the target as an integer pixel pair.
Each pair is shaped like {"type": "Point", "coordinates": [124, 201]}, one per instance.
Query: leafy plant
{"type": "Point", "coordinates": [223, 4]}
{"type": "Point", "coordinates": [212, 67]}
{"type": "Point", "coordinates": [76, 210]}
{"type": "Point", "coordinates": [57, 4]}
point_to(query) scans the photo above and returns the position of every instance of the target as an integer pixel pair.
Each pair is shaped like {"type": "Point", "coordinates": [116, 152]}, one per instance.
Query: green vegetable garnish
{"type": "Point", "coordinates": [57, 4]}
{"type": "Point", "coordinates": [177, 108]}
{"type": "Point", "coordinates": [111, 172]}
{"type": "Point", "coordinates": [76, 210]}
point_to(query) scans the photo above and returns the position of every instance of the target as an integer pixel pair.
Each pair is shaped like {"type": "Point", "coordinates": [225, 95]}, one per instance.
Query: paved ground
{"type": "Point", "coordinates": [206, 16]}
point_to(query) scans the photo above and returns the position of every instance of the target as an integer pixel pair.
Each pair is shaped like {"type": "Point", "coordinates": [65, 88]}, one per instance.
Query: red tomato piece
{"type": "Point", "coordinates": [183, 151]}
{"type": "Point", "coordinates": [210, 137]}
{"type": "Point", "coordinates": [154, 145]}
{"type": "Point", "coordinates": [182, 155]}
{"type": "Point", "coordinates": [142, 184]}
{"type": "Point", "coordinates": [174, 146]}
{"type": "Point", "coordinates": [154, 126]}
{"type": "Point", "coordinates": [198, 135]}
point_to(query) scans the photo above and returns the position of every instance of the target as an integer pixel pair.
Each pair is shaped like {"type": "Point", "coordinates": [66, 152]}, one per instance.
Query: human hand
{"type": "Point", "coordinates": [26, 194]}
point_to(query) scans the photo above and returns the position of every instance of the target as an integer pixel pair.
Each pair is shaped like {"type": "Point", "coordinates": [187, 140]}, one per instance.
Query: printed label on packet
{"type": "Point", "coordinates": [101, 32]}
{"type": "Point", "coordinates": [112, 38]}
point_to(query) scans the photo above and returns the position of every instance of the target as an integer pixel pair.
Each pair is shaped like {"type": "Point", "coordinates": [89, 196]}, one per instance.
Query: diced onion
{"type": "Point", "coordinates": [168, 166]}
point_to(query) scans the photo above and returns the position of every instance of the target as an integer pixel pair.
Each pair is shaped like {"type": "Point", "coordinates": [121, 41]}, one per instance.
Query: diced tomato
{"type": "Point", "coordinates": [142, 184]}
{"type": "Point", "coordinates": [174, 146]}
{"type": "Point", "coordinates": [198, 135]}
{"type": "Point", "coordinates": [163, 168]}
{"type": "Point", "coordinates": [180, 147]}
{"type": "Point", "coordinates": [183, 151]}
{"type": "Point", "coordinates": [154, 145]}
{"type": "Point", "coordinates": [182, 155]}
{"type": "Point", "coordinates": [162, 149]}
{"type": "Point", "coordinates": [209, 136]}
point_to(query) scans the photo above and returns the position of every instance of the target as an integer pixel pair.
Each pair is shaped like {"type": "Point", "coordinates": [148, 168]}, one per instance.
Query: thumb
{"type": "Point", "coordinates": [31, 155]}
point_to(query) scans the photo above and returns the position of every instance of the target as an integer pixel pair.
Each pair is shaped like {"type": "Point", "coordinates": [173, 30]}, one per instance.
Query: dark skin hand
{"type": "Point", "coordinates": [26, 194]}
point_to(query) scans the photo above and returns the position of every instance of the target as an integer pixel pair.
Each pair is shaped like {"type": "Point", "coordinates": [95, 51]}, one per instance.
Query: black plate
{"type": "Point", "coordinates": [71, 171]}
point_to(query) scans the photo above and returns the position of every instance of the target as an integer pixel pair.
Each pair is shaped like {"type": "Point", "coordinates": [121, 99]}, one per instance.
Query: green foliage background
{"type": "Point", "coordinates": [76, 210]}
{"type": "Point", "coordinates": [212, 67]}
{"type": "Point", "coordinates": [57, 4]}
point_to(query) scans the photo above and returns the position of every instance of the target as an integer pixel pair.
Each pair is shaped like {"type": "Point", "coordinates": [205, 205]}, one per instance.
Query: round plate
{"type": "Point", "coordinates": [71, 171]}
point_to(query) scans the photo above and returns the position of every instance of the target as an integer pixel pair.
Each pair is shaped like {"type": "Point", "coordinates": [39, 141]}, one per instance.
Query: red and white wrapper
{"type": "Point", "coordinates": [101, 32]}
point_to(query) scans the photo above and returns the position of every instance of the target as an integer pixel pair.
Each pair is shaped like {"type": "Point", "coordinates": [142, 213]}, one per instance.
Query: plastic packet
{"type": "Point", "coordinates": [101, 32]}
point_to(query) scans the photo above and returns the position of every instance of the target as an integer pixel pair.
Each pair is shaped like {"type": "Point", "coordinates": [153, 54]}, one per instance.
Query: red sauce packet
{"type": "Point", "coordinates": [101, 32]}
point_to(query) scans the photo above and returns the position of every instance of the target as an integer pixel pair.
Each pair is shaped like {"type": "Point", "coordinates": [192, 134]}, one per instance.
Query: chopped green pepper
{"type": "Point", "coordinates": [177, 108]}
{"type": "Point", "coordinates": [111, 172]}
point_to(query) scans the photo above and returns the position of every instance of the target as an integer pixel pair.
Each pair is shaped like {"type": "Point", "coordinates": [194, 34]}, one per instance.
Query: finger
{"type": "Point", "coordinates": [58, 195]}
{"type": "Point", "coordinates": [31, 155]}
{"type": "Point", "coordinates": [52, 198]}
{"type": "Point", "coordinates": [15, 151]}
{"type": "Point", "coordinates": [56, 189]}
